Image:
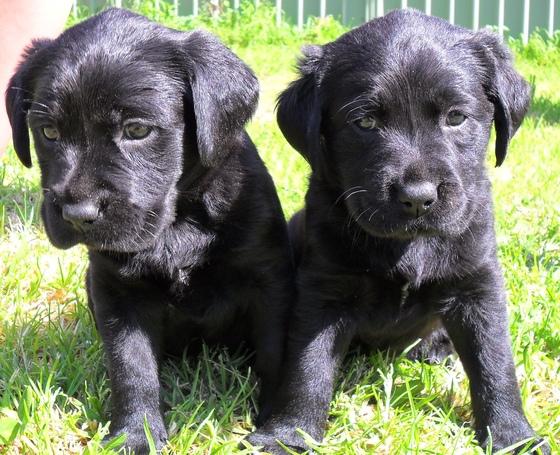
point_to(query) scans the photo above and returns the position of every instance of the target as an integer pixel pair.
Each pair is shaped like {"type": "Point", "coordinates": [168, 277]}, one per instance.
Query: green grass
{"type": "Point", "coordinates": [54, 388]}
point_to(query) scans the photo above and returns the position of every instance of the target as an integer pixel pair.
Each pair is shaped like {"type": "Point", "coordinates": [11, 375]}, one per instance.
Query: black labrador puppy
{"type": "Point", "coordinates": [139, 133]}
{"type": "Point", "coordinates": [397, 241]}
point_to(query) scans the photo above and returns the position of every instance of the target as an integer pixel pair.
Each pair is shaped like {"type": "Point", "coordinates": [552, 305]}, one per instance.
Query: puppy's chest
{"type": "Point", "coordinates": [383, 306]}
{"type": "Point", "coordinates": [210, 292]}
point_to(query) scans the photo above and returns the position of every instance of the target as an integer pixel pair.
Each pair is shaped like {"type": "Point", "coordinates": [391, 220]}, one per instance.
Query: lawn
{"type": "Point", "coordinates": [54, 388]}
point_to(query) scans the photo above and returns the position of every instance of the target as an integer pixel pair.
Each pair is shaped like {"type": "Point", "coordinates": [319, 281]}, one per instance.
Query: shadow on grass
{"type": "Point", "coordinates": [545, 110]}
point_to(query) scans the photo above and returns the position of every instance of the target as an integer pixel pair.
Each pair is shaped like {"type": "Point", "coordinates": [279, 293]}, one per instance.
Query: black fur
{"type": "Point", "coordinates": [396, 241]}
{"type": "Point", "coordinates": [186, 236]}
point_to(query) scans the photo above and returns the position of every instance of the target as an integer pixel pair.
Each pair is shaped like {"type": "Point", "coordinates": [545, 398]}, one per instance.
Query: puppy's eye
{"type": "Point", "coordinates": [136, 131]}
{"type": "Point", "coordinates": [50, 132]}
{"type": "Point", "coordinates": [366, 123]}
{"type": "Point", "coordinates": [455, 118]}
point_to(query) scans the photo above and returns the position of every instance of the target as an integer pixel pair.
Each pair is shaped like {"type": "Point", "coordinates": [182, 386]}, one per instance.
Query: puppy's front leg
{"type": "Point", "coordinates": [318, 341]}
{"type": "Point", "coordinates": [130, 330]}
{"type": "Point", "coordinates": [269, 327]}
{"type": "Point", "coordinates": [478, 326]}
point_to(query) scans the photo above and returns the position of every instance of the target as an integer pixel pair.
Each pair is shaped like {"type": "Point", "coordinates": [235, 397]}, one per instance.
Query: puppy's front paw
{"type": "Point", "coordinates": [136, 440]}
{"type": "Point", "coordinates": [267, 442]}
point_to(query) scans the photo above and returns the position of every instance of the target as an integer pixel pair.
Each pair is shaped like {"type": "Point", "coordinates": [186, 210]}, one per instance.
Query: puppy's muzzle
{"type": "Point", "coordinates": [81, 215]}
{"type": "Point", "coordinates": [417, 198]}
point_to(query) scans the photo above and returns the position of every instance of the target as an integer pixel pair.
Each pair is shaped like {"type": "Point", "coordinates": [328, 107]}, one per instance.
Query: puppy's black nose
{"type": "Point", "coordinates": [417, 198]}
{"type": "Point", "coordinates": [81, 214]}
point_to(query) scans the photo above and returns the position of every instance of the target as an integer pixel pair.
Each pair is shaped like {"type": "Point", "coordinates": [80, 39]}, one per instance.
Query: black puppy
{"type": "Point", "coordinates": [139, 135]}
{"type": "Point", "coordinates": [397, 240]}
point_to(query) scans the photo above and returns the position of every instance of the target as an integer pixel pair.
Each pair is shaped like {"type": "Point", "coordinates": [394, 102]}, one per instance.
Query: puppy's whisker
{"type": "Point", "coordinates": [363, 107]}
{"type": "Point", "coordinates": [40, 104]}
{"type": "Point", "coordinates": [362, 213]}
{"type": "Point", "coordinates": [359, 106]}
{"type": "Point", "coordinates": [21, 89]}
{"type": "Point", "coordinates": [355, 192]}
{"type": "Point", "coordinates": [371, 215]}
{"type": "Point", "coordinates": [360, 98]}
{"type": "Point", "coordinates": [41, 113]}
{"type": "Point", "coordinates": [345, 192]}
{"type": "Point", "coordinates": [351, 219]}
{"type": "Point", "coordinates": [36, 100]}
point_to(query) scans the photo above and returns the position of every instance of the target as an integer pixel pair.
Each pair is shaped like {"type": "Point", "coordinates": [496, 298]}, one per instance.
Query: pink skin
{"type": "Point", "coordinates": [20, 22]}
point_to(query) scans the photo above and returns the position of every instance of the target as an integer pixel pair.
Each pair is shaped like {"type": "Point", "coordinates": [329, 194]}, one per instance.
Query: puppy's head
{"type": "Point", "coordinates": [122, 110]}
{"type": "Point", "coordinates": [395, 116]}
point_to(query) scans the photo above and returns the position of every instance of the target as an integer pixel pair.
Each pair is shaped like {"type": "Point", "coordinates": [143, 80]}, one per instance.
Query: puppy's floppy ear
{"type": "Point", "coordinates": [299, 108]}
{"type": "Point", "coordinates": [225, 94]}
{"type": "Point", "coordinates": [18, 100]}
{"type": "Point", "coordinates": [505, 87]}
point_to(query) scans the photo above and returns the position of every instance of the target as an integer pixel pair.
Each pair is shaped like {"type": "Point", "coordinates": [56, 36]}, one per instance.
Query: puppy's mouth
{"type": "Point", "coordinates": [404, 231]}
{"type": "Point", "coordinates": [385, 222]}
{"type": "Point", "coordinates": [118, 229]}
